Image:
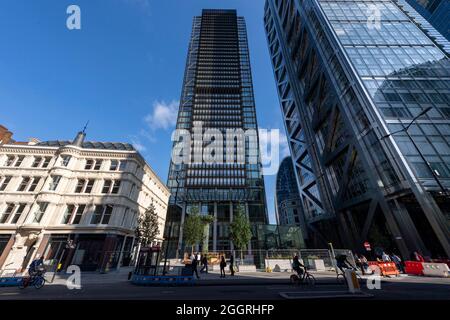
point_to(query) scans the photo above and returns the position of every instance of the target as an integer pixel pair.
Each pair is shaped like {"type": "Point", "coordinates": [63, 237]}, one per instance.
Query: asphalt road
{"type": "Point", "coordinates": [408, 288]}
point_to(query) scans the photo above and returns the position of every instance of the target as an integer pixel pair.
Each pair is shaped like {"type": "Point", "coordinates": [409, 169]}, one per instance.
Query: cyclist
{"type": "Point", "coordinates": [33, 269]}
{"type": "Point", "coordinates": [342, 263]}
{"type": "Point", "coordinates": [297, 266]}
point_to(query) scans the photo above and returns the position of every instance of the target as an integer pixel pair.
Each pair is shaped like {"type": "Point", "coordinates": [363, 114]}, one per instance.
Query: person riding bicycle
{"type": "Point", "coordinates": [298, 266]}
{"type": "Point", "coordinates": [342, 263]}
{"type": "Point", "coordinates": [34, 267]}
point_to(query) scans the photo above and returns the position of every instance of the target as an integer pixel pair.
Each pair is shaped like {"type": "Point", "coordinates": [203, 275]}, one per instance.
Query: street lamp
{"type": "Point", "coordinates": [405, 129]}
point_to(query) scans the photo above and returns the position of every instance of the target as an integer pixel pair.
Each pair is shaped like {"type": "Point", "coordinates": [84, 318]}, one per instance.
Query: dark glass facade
{"type": "Point", "coordinates": [348, 90]}
{"type": "Point", "coordinates": [217, 97]}
{"type": "Point", "coordinates": [288, 204]}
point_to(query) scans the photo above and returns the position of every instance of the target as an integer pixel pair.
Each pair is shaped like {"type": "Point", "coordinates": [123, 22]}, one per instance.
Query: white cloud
{"type": "Point", "coordinates": [163, 115]}
{"type": "Point", "coordinates": [138, 146]}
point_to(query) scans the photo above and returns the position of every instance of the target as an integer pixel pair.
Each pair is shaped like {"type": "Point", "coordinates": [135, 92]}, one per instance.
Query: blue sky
{"type": "Point", "coordinates": [122, 71]}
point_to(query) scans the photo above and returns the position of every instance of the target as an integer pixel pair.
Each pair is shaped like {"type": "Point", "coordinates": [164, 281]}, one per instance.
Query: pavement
{"type": "Point", "coordinates": [243, 286]}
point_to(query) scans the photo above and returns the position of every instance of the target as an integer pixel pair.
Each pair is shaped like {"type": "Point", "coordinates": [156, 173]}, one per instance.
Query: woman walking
{"type": "Point", "coordinates": [223, 264]}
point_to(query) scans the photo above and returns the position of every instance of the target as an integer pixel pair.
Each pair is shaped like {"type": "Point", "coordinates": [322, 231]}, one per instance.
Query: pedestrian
{"type": "Point", "coordinates": [223, 264]}
{"type": "Point", "coordinates": [199, 257]}
{"type": "Point", "coordinates": [194, 267]}
{"type": "Point", "coordinates": [364, 263]}
{"type": "Point", "coordinates": [398, 262]}
{"type": "Point", "coordinates": [358, 262]}
{"type": "Point", "coordinates": [204, 262]}
{"type": "Point", "coordinates": [417, 257]}
{"type": "Point", "coordinates": [232, 264]}
{"type": "Point", "coordinates": [385, 257]}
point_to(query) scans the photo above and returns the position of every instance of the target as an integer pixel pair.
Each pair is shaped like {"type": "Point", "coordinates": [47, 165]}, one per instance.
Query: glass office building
{"type": "Point", "coordinates": [288, 205]}
{"type": "Point", "coordinates": [217, 97]}
{"type": "Point", "coordinates": [436, 12]}
{"type": "Point", "coordinates": [352, 76]}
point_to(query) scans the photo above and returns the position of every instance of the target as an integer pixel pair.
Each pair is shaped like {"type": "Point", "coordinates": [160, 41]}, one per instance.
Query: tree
{"type": "Point", "coordinates": [148, 226]}
{"type": "Point", "coordinates": [206, 221]}
{"type": "Point", "coordinates": [193, 228]}
{"type": "Point", "coordinates": [240, 229]}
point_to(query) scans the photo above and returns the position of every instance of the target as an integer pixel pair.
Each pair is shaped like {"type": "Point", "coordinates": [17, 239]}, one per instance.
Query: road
{"type": "Point", "coordinates": [405, 288]}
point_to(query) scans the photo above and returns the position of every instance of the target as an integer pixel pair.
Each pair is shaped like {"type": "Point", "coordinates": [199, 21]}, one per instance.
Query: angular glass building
{"type": "Point", "coordinates": [436, 12]}
{"type": "Point", "coordinates": [365, 93]}
{"type": "Point", "coordinates": [288, 204]}
{"type": "Point", "coordinates": [217, 98]}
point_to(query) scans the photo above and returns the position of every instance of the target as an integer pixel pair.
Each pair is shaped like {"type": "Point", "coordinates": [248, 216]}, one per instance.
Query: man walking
{"type": "Point", "coordinates": [232, 264]}
{"type": "Point", "coordinates": [194, 267]}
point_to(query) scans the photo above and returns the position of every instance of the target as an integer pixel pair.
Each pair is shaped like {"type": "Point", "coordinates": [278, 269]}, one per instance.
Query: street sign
{"type": "Point", "coordinates": [367, 246]}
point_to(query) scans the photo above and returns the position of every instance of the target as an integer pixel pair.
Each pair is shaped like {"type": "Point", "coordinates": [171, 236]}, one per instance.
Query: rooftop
{"type": "Point", "coordinates": [90, 145]}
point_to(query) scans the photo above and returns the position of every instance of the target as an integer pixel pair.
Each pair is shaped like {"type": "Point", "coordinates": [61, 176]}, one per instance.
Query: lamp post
{"type": "Point", "coordinates": [405, 129]}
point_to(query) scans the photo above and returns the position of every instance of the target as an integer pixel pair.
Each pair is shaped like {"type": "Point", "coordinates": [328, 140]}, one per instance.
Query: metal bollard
{"type": "Point", "coordinates": [352, 281]}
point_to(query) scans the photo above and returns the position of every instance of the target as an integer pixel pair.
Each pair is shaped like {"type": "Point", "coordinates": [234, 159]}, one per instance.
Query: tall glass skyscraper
{"type": "Point", "coordinates": [217, 99]}
{"type": "Point", "coordinates": [288, 205]}
{"type": "Point", "coordinates": [352, 76]}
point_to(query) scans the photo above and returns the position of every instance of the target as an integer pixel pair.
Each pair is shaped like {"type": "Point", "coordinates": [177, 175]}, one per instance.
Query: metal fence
{"type": "Point", "coordinates": [259, 257]}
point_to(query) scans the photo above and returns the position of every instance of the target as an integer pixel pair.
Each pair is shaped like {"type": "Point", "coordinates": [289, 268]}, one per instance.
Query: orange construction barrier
{"type": "Point", "coordinates": [386, 268]}
{"type": "Point", "coordinates": [414, 267]}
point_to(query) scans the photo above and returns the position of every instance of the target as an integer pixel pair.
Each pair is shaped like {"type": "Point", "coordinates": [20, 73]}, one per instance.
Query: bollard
{"type": "Point", "coordinates": [352, 281]}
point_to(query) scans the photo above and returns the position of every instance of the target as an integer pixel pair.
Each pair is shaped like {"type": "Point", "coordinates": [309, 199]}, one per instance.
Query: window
{"type": "Point", "coordinates": [65, 160]}
{"type": "Point", "coordinates": [98, 164]}
{"type": "Point", "coordinates": [133, 187]}
{"type": "Point", "coordinates": [4, 181]}
{"type": "Point", "coordinates": [70, 209]}
{"type": "Point", "coordinates": [102, 214]}
{"type": "Point", "coordinates": [89, 186]}
{"type": "Point", "coordinates": [54, 183]}
{"type": "Point", "coordinates": [19, 161]}
{"type": "Point", "coordinates": [89, 164]}
{"type": "Point", "coordinates": [9, 209]}
{"type": "Point", "coordinates": [24, 184]}
{"type": "Point", "coordinates": [107, 186]}
{"type": "Point", "coordinates": [40, 212]}
{"type": "Point", "coordinates": [84, 186]}
{"type": "Point", "coordinates": [114, 165]}
{"type": "Point", "coordinates": [116, 187]}
{"type": "Point", "coordinates": [125, 215]}
{"type": "Point", "coordinates": [122, 166]}
{"type": "Point", "coordinates": [36, 162]}
{"type": "Point", "coordinates": [9, 161]}
{"type": "Point", "coordinates": [73, 214]}
{"type": "Point", "coordinates": [46, 162]}
{"type": "Point", "coordinates": [18, 213]}
{"type": "Point", "coordinates": [80, 185]}
{"type": "Point", "coordinates": [34, 184]}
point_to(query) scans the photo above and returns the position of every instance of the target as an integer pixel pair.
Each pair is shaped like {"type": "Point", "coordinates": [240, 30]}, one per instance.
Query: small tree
{"type": "Point", "coordinates": [206, 221]}
{"type": "Point", "coordinates": [240, 229]}
{"type": "Point", "coordinates": [193, 228]}
{"type": "Point", "coordinates": [148, 226]}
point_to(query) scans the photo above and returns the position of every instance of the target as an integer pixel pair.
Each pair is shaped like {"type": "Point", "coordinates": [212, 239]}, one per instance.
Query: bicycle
{"type": "Point", "coordinates": [305, 278]}
{"type": "Point", "coordinates": [37, 280]}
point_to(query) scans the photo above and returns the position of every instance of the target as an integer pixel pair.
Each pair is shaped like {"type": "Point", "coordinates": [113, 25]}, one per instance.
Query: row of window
{"type": "Point", "coordinates": [72, 215]}
{"type": "Point", "coordinates": [43, 162]}
{"type": "Point", "coordinates": [29, 184]}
